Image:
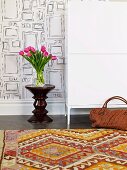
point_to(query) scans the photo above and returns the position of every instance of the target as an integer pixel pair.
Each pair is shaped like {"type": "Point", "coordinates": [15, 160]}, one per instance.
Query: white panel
{"type": "Point", "coordinates": [60, 5]}
{"type": "Point", "coordinates": [15, 46]}
{"type": "Point", "coordinates": [38, 26]}
{"type": "Point", "coordinates": [27, 16]}
{"type": "Point", "coordinates": [50, 7]}
{"type": "Point", "coordinates": [30, 39]}
{"type": "Point", "coordinates": [0, 28]}
{"type": "Point", "coordinates": [11, 86]}
{"type": "Point", "coordinates": [34, 3]}
{"type": "Point", "coordinates": [97, 27]}
{"type": "Point", "coordinates": [0, 11]}
{"type": "Point", "coordinates": [42, 2]}
{"type": "Point", "coordinates": [26, 4]}
{"type": "Point", "coordinates": [56, 50]}
{"type": "Point", "coordinates": [11, 64]}
{"type": "Point", "coordinates": [5, 46]}
{"type": "Point", "coordinates": [10, 32]}
{"type": "Point", "coordinates": [53, 30]}
{"type": "Point", "coordinates": [94, 78]}
{"type": "Point", "coordinates": [27, 71]}
{"type": "Point", "coordinates": [10, 4]}
{"type": "Point", "coordinates": [41, 15]}
{"type": "Point", "coordinates": [57, 82]}
{"type": "Point", "coordinates": [16, 43]}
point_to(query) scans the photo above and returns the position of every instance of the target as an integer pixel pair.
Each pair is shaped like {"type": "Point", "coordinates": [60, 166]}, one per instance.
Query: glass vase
{"type": "Point", "coordinates": [40, 79]}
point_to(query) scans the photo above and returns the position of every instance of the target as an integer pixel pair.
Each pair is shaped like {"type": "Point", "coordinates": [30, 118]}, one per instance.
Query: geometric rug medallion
{"type": "Point", "coordinates": [55, 149]}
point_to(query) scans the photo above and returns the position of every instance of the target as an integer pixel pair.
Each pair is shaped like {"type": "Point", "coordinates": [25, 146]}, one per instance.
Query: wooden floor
{"type": "Point", "coordinates": [59, 122]}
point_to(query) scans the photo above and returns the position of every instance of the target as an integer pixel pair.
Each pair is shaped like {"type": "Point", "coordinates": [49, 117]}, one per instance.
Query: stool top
{"type": "Point", "coordinates": [46, 86]}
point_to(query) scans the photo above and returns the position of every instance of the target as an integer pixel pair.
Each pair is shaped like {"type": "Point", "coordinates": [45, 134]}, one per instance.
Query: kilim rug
{"type": "Point", "coordinates": [74, 149]}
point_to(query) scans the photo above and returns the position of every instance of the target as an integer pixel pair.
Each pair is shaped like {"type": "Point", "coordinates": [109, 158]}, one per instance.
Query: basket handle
{"type": "Point", "coordinates": [112, 98]}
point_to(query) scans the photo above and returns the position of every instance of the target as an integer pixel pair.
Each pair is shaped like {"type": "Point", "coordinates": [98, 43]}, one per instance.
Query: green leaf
{"type": "Point", "coordinates": [37, 60]}
{"type": "Point", "coordinates": [29, 59]}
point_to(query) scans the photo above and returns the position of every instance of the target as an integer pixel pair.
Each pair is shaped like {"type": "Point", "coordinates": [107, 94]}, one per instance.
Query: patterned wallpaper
{"type": "Point", "coordinates": [35, 23]}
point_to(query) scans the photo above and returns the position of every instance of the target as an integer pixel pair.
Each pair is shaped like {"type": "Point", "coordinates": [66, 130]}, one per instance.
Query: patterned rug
{"type": "Point", "coordinates": [74, 149]}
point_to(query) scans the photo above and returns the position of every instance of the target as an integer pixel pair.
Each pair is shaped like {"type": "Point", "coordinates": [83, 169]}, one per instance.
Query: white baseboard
{"type": "Point", "coordinates": [54, 108]}
{"type": "Point", "coordinates": [26, 107]}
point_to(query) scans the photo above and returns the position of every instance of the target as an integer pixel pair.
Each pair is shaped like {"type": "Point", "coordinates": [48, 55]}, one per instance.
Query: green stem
{"type": "Point", "coordinates": [40, 78]}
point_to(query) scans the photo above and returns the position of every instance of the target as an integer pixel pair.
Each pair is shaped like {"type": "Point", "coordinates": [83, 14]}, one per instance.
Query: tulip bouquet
{"type": "Point", "coordinates": [38, 60]}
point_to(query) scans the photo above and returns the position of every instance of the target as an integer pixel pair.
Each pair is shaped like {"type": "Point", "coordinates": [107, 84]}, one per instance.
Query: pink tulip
{"type": "Point", "coordinates": [26, 50]}
{"type": "Point", "coordinates": [45, 53]}
{"type": "Point", "coordinates": [21, 53]}
{"type": "Point", "coordinates": [33, 49]}
{"type": "Point", "coordinates": [29, 48]}
{"type": "Point", "coordinates": [54, 58]}
{"type": "Point", "coordinates": [43, 48]}
{"type": "Point", "coordinates": [29, 54]}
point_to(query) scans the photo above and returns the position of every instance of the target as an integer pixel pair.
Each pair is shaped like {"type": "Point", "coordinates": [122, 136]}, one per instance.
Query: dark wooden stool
{"type": "Point", "coordinates": [40, 113]}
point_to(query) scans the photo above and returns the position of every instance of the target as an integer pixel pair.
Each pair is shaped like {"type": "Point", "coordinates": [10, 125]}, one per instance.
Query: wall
{"type": "Point", "coordinates": [35, 23]}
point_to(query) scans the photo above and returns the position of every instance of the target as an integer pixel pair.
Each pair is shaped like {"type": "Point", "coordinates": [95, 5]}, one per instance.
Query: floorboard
{"type": "Point", "coordinates": [15, 122]}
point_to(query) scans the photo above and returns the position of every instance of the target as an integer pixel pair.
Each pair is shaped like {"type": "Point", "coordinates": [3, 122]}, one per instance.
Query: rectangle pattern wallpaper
{"type": "Point", "coordinates": [34, 23]}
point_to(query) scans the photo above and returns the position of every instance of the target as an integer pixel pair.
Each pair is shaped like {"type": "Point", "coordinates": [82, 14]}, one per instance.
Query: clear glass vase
{"type": "Point", "coordinates": [40, 79]}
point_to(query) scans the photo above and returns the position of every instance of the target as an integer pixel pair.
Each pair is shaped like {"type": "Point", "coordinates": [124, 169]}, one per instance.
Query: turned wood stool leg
{"type": "Point", "coordinates": [40, 113]}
